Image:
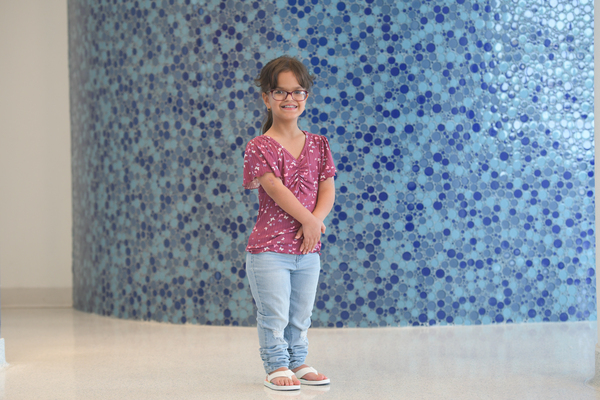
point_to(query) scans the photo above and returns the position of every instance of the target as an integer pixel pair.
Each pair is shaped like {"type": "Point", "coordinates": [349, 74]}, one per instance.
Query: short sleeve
{"type": "Point", "coordinates": [327, 168]}
{"type": "Point", "coordinates": [258, 160]}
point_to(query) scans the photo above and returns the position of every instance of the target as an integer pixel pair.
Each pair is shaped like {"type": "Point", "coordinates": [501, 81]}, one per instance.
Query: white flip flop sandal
{"type": "Point", "coordinates": [307, 370]}
{"type": "Point", "coordinates": [280, 374]}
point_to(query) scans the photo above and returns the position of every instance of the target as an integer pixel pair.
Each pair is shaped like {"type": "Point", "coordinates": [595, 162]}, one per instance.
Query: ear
{"type": "Point", "coordinates": [266, 100]}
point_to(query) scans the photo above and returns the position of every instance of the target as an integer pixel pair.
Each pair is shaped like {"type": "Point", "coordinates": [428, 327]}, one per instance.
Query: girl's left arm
{"type": "Point", "coordinates": [325, 198]}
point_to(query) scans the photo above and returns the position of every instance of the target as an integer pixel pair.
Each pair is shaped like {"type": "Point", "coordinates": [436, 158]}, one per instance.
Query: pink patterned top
{"type": "Point", "coordinates": [275, 229]}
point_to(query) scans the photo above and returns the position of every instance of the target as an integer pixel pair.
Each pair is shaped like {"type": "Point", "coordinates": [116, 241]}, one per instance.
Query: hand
{"type": "Point", "coordinates": [305, 247]}
{"type": "Point", "coordinates": [301, 231]}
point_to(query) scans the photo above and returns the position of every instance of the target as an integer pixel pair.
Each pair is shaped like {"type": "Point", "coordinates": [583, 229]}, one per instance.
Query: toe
{"type": "Point", "coordinates": [310, 377]}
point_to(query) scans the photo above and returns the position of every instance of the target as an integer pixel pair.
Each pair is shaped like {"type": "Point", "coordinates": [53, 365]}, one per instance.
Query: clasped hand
{"type": "Point", "coordinates": [311, 233]}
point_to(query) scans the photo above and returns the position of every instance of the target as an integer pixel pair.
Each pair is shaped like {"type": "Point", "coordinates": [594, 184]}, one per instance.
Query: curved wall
{"type": "Point", "coordinates": [462, 133]}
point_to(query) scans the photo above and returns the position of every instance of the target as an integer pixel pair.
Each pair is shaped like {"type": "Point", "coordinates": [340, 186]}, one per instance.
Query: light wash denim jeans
{"type": "Point", "coordinates": [284, 288]}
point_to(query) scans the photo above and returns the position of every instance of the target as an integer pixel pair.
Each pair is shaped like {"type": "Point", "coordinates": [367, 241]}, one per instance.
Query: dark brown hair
{"type": "Point", "coordinates": [267, 79]}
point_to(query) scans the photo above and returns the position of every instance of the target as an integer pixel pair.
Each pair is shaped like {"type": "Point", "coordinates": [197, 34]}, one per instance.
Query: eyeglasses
{"type": "Point", "coordinates": [280, 95]}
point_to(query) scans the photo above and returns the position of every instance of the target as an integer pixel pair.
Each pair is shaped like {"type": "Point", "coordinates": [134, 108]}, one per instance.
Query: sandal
{"type": "Point", "coordinates": [307, 370]}
{"type": "Point", "coordinates": [280, 374]}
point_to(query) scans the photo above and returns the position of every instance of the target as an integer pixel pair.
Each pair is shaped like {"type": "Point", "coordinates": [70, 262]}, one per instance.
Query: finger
{"type": "Point", "coordinates": [309, 248]}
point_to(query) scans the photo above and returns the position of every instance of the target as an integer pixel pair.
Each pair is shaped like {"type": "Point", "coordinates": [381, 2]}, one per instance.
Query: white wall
{"type": "Point", "coordinates": [35, 159]}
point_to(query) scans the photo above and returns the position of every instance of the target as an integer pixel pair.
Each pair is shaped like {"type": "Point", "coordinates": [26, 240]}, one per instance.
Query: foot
{"type": "Point", "coordinates": [310, 376]}
{"type": "Point", "coordinates": [281, 381]}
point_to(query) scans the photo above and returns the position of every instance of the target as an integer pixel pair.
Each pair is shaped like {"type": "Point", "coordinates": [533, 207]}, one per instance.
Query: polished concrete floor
{"type": "Point", "coordinates": [66, 354]}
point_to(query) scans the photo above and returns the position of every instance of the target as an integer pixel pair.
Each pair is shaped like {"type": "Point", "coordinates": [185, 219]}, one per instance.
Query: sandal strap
{"type": "Point", "coordinates": [280, 374]}
{"type": "Point", "coordinates": [304, 371]}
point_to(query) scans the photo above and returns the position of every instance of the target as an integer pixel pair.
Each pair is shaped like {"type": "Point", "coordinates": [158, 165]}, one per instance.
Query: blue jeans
{"type": "Point", "coordinates": [284, 288]}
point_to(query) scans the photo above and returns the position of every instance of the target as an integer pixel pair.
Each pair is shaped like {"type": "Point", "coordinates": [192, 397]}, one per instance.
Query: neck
{"type": "Point", "coordinates": [284, 128]}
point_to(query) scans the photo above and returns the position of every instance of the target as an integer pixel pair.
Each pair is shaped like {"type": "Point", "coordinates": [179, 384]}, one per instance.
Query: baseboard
{"type": "Point", "coordinates": [36, 297]}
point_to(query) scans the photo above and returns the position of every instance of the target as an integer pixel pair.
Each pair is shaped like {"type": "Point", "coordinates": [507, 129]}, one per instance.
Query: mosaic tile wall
{"type": "Point", "coordinates": [462, 131]}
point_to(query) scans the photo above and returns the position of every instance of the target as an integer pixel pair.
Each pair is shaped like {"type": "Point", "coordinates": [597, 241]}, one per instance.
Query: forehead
{"type": "Point", "coordinates": [287, 80]}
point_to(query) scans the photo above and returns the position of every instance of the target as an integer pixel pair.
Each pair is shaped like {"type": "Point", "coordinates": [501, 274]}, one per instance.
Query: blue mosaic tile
{"type": "Point", "coordinates": [462, 132]}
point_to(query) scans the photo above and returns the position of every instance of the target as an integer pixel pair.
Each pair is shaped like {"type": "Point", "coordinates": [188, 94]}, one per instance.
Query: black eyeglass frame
{"type": "Point", "coordinates": [289, 94]}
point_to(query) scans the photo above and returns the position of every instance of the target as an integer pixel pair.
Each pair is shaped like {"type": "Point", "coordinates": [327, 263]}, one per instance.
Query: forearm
{"type": "Point", "coordinates": [325, 199]}
{"type": "Point", "coordinates": [285, 198]}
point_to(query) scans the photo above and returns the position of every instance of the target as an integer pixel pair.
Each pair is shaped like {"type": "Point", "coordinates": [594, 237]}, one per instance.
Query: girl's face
{"type": "Point", "coordinates": [289, 109]}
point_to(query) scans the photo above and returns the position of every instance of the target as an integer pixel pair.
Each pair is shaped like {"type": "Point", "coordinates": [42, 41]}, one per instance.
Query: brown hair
{"type": "Point", "coordinates": [267, 79]}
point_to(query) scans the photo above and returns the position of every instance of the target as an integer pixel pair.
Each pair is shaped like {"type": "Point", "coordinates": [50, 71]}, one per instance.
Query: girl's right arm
{"type": "Point", "coordinates": [285, 199]}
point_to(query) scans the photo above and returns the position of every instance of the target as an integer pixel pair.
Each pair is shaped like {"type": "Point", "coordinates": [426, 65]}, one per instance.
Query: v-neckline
{"type": "Point", "coordinates": [283, 147]}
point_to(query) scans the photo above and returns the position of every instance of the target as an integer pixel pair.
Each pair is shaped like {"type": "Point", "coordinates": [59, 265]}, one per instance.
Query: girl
{"type": "Point", "coordinates": [293, 171]}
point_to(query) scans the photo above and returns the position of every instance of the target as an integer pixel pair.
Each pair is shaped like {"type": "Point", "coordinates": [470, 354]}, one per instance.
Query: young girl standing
{"type": "Point", "coordinates": [293, 171]}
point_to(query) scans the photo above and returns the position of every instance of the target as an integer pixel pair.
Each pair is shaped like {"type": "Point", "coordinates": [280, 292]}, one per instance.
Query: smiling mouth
{"type": "Point", "coordinates": [289, 107]}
